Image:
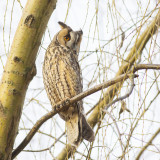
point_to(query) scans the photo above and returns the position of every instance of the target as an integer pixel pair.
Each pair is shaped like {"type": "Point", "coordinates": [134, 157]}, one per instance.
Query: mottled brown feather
{"type": "Point", "coordinates": [63, 79]}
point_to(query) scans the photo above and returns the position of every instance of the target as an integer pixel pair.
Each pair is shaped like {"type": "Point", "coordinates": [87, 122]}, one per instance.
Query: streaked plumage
{"type": "Point", "coordinates": [62, 79]}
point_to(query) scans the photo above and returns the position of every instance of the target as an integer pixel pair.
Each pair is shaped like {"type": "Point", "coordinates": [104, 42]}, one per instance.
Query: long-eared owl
{"type": "Point", "coordinates": [62, 79]}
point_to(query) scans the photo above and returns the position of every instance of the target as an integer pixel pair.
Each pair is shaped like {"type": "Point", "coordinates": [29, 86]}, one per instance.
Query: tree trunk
{"type": "Point", "coordinates": [20, 69]}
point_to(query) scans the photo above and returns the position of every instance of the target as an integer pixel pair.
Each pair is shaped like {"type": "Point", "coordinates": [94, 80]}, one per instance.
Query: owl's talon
{"type": "Point", "coordinates": [67, 101]}
{"type": "Point", "coordinates": [62, 104]}
{"type": "Point", "coordinates": [57, 107]}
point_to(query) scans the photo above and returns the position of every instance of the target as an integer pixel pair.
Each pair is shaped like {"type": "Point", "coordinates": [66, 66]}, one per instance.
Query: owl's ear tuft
{"type": "Point", "coordinates": [62, 25]}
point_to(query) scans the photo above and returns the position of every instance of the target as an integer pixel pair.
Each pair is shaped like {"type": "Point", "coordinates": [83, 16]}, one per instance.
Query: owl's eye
{"type": "Point", "coordinates": [67, 37]}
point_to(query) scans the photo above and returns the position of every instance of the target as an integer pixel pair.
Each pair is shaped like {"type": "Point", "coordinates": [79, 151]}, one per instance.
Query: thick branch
{"type": "Point", "coordinates": [78, 97]}
{"type": "Point", "coordinates": [59, 107]}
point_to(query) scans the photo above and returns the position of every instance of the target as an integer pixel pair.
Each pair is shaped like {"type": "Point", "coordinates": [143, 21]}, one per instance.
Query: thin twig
{"type": "Point", "coordinates": [122, 97]}
{"type": "Point", "coordinates": [149, 143]}
{"type": "Point", "coordinates": [130, 135]}
{"type": "Point", "coordinates": [57, 140]}
{"type": "Point", "coordinates": [136, 123]}
{"type": "Point", "coordinates": [135, 68]}
{"type": "Point", "coordinates": [120, 140]}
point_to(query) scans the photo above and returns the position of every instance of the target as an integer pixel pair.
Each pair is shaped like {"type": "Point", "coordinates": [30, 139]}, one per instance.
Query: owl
{"type": "Point", "coordinates": [63, 79]}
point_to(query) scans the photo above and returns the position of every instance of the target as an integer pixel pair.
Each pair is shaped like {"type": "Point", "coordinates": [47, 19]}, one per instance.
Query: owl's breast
{"type": "Point", "coordinates": [62, 76]}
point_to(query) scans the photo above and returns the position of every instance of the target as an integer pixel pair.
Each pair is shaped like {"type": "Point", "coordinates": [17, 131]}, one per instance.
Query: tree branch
{"type": "Point", "coordinates": [135, 68]}
{"type": "Point", "coordinates": [60, 106]}
{"type": "Point", "coordinates": [146, 66]}
{"type": "Point", "coordinates": [149, 143]}
{"type": "Point", "coordinates": [119, 134]}
{"type": "Point", "coordinates": [122, 97]}
{"type": "Point", "coordinates": [136, 120]}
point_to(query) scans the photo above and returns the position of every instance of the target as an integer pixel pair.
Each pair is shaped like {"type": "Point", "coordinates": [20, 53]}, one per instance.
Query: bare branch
{"type": "Point", "coordinates": [120, 139]}
{"type": "Point", "coordinates": [122, 97]}
{"type": "Point", "coordinates": [146, 66]}
{"type": "Point", "coordinates": [60, 106]}
{"type": "Point", "coordinates": [137, 121]}
{"type": "Point", "coordinates": [149, 143]}
{"type": "Point", "coordinates": [135, 68]}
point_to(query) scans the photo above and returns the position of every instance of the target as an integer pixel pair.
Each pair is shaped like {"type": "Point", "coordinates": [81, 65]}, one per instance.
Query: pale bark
{"type": "Point", "coordinates": [20, 69]}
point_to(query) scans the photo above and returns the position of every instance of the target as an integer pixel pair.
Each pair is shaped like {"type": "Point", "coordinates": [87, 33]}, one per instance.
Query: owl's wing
{"type": "Point", "coordinates": [62, 75]}
{"type": "Point", "coordinates": [67, 76]}
{"type": "Point", "coordinates": [49, 77]}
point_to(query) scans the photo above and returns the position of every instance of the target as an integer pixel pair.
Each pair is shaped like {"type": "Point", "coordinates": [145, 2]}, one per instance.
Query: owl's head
{"type": "Point", "coordinates": [69, 38]}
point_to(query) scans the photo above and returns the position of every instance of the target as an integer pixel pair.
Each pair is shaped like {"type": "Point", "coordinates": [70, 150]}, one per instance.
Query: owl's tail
{"type": "Point", "coordinates": [87, 132]}
{"type": "Point", "coordinates": [78, 128]}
